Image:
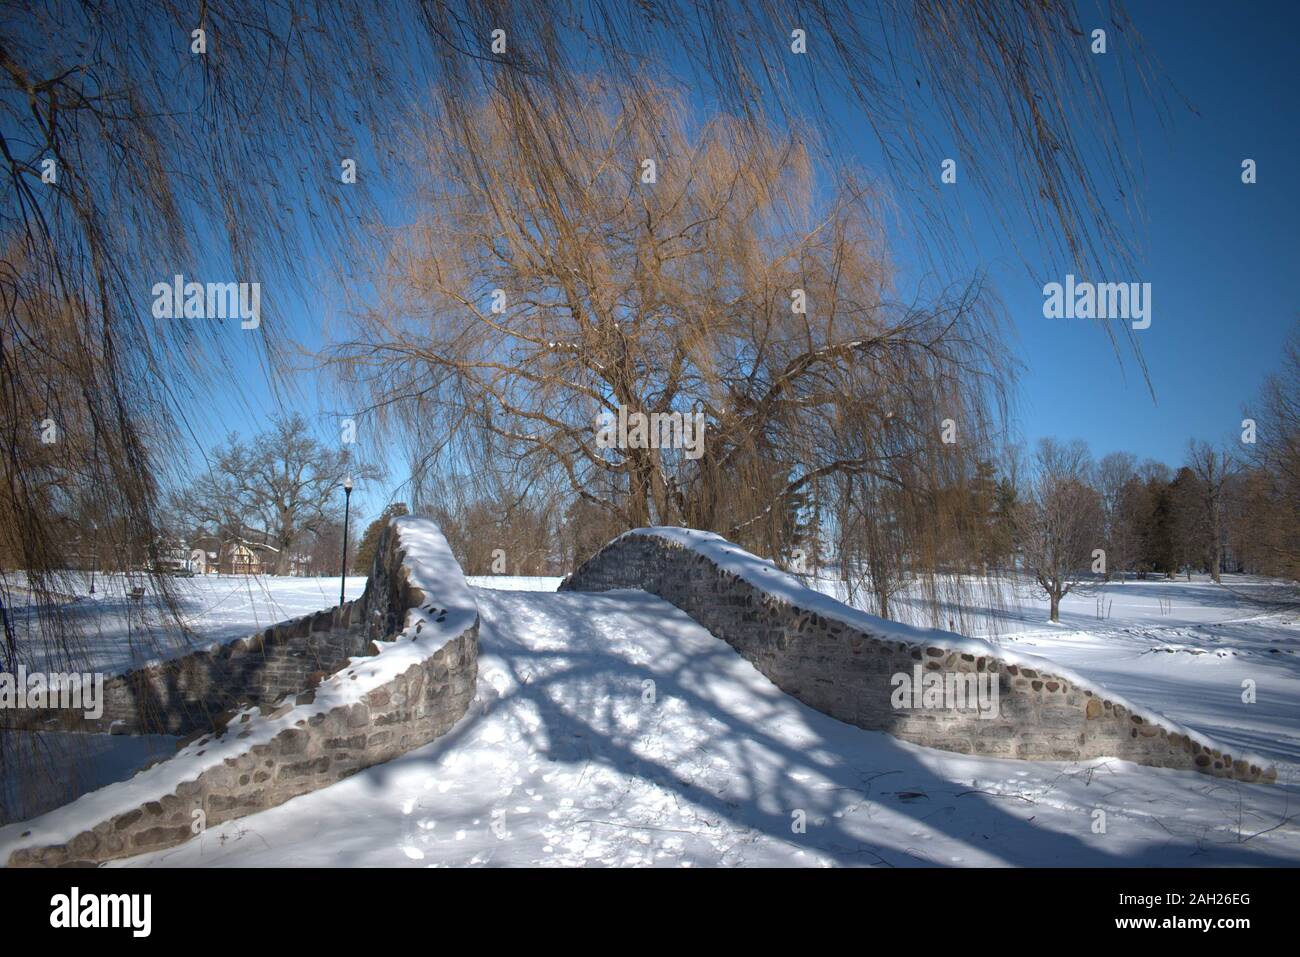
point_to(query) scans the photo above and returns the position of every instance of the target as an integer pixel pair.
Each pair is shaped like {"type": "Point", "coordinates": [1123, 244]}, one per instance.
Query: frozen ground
{"type": "Point", "coordinates": [611, 729]}
{"type": "Point", "coordinates": [1194, 660]}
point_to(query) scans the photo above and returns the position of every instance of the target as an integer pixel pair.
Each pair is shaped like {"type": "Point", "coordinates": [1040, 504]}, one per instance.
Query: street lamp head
{"type": "Point", "coordinates": [347, 485]}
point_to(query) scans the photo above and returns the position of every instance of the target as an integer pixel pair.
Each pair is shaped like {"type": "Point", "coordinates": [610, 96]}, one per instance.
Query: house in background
{"type": "Point", "coordinates": [204, 554]}
{"type": "Point", "coordinates": [210, 555]}
{"type": "Point", "coordinates": [173, 558]}
{"type": "Point", "coordinates": [247, 558]}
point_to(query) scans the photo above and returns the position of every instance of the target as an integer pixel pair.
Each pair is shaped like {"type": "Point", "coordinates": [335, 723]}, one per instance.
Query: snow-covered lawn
{"type": "Point", "coordinates": [612, 729]}
{"type": "Point", "coordinates": [122, 633]}
{"type": "Point", "coordinates": [1187, 649]}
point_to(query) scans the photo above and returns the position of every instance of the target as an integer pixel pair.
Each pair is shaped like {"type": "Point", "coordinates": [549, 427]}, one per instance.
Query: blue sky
{"type": "Point", "coordinates": [1221, 256]}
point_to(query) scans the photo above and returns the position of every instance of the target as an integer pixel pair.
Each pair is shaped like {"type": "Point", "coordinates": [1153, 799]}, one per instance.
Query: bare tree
{"type": "Point", "coordinates": [728, 288]}
{"type": "Point", "coordinates": [1114, 473]}
{"type": "Point", "coordinates": [108, 119]}
{"type": "Point", "coordinates": [1262, 534]}
{"type": "Point", "coordinates": [110, 112]}
{"type": "Point", "coordinates": [1062, 521]}
{"type": "Point", "coordinates": [876, 540]}
{"type": "Point", "coordinates": [1212, 469]}
{"type": "Point", "coordinates": [1276, 455]}
{"type": "Point", "coordinates": [281, 490]}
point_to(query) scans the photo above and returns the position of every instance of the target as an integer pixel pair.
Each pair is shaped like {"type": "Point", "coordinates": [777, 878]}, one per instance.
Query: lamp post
{"type": "Point", "coordinates": [94, 548]}
{"type": "Point", "coordinates": [347, 502]}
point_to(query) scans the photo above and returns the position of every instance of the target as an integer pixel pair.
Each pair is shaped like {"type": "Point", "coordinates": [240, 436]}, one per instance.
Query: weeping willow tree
{"type": "Point", "coordinates": [133, 152]}
{"type": "Point", "coordinates": [144, 140]}
{"type": "Point", "coordinates": [704, 276]}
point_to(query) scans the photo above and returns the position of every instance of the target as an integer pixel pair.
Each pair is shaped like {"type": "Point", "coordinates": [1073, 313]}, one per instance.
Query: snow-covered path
{"type": "Point", "coordinates": [612, 729]}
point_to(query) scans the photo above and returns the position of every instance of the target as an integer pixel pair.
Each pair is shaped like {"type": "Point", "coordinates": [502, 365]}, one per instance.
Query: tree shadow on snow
{"type": "Point", "coordinates": [756, 756]}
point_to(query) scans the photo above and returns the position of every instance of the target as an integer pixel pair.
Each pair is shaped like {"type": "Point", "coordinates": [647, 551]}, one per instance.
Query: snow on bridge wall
{"type": "Point", "coordinates": [415, 636]}
{"type": "Point", "coordinates": [843, 662]}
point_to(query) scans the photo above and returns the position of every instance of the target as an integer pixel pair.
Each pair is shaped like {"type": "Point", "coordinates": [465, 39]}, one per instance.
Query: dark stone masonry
{"type": "Point", "coordinates": [845, 672]}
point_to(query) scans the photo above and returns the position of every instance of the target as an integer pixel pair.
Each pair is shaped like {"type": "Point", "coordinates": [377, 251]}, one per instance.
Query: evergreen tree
{"type": "Point", "coordinates": [365, 554]}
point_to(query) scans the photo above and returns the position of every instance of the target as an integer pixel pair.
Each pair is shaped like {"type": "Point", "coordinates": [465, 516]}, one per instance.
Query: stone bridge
{"type": "Point", "coordinates": [312, 701]}
{"type": "Point", "coordinates": [845, 663]}
{"type": "Point", "coordinates": [298, 707]}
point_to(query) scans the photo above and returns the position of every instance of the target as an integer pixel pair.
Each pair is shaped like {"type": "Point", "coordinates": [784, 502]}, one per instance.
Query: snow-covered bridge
{"type": "Point", "coordinates": [614, 727]}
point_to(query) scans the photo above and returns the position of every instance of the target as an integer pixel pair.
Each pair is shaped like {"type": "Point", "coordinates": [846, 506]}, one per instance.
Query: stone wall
{"type": "Point", "coordinates": [842, 661]}
{"type": "Point", "coordinates": [197, 691]}
{"type": "Point", "coordinates": [414, 681]}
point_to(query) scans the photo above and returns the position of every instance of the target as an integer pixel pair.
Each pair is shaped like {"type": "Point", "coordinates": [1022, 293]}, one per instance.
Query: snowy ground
{"type": "Point", "coordinates": [1193, 661]}
{"type": "Point", "coordinates": [611, 729]}
{"type": "Point", "coordinates": [1183, 648]}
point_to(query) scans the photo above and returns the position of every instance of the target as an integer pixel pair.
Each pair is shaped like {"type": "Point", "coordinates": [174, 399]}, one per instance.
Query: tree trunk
{"type": "Point", "coordinates": [1056, 606]}
{"type": "Point", "coordinates": [638, 506]}
{"type": "Point", "coordinates": [283, 557]}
